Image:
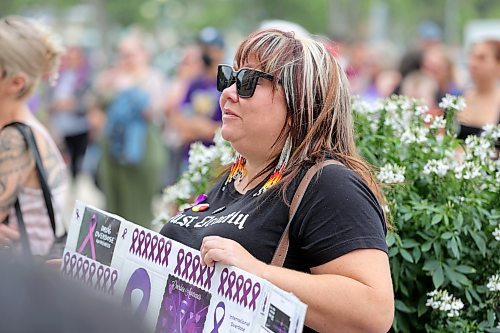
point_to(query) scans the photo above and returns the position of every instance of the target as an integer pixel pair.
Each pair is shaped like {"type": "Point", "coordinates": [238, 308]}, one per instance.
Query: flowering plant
{"type": "Point", "coordinates": [442, 198]}
{"type": "Point", "coordinates": [206, 164]}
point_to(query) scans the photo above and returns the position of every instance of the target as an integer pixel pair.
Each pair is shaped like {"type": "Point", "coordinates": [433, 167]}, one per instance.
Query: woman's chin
{"type": "Point", "coordinates": [228, 134]}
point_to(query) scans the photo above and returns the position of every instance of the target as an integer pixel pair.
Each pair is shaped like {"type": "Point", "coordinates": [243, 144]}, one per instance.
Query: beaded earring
{"type": "Point", "coordinates": [238, 170]}
{"type": "Point", "coordinates": [279, 170]}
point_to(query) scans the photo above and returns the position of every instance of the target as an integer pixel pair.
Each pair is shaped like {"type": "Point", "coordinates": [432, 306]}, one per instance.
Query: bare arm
{"type": "Point", "coordinates": [16, 164]}
{"type": "Point", "coordinates": [352, 293]}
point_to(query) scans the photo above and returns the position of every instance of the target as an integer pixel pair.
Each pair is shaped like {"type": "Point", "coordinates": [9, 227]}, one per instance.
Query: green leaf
{"type": "Point", "coordinates": [438, 277]}
{"type": "Point", "coordinates": [465, 269]}
{"type": "Point", "coordinates": [437, 248]}
{"type": "Point", "coordinates": [390, 240]}
{"type": "Point", "coordinates": [406, 255]}
{"type": "Point", "coordinates": [446, 220]}
{"type": "Point", "coordinates": [403, 307]}
{"type": "Point", "coordinates": [454, 247]}
{"type": "Point", "coordinates": [422, 308]}
{"type": "Point", "coordinates": [431, 265]}
{"type": "Point", "coordinates": [447, 235]}
{"type": "Point", "coordinates": [393, 251]}
{"type": "Point", "coordinates": [459, 221]}
{"type": "Point", "coordinates": [416, 254]}
{"type": "Point", "coordinates": [480, 243]}
{"type": "Point", "coordinates": [409, 243]}
{"type": "Point", "coordinates": [427, 246]}
{"type": "Point", "coordinates": [436, 219]}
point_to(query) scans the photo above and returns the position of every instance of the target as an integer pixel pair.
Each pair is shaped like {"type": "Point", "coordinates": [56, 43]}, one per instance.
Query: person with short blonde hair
{"type": "Point", "coordinates": [29, 53]}
{"type": "Point", "coordinates": [286, 107]}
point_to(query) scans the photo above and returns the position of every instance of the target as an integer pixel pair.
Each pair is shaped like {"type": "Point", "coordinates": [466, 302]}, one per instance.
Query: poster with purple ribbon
{"type": "Point", "coordinates": [164, 284]}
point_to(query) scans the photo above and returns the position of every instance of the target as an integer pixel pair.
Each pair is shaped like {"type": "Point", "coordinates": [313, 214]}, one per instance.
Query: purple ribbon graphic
{"type": "Point", "coordinates": [196, 267]}
{"type": "Point", "coordinates": [230, 283]}
{"type": "Point", "coordinates": [218, 322]}
{"type": "Point", "coordinates": [222, 281]}
{"type": "Point", "coordinates": [135, 235]}
{"type": "Point", "coordinates": [161, 245]}
{"type": "Point", "coordinates": [180, 260]}
{"type": "Point", "coordinates": [168, 248]}
{"type": "Point", "coordinates": [138, 280]}
{"type": "Point", "coordinates": [92, 270]}
{"type": "Point", "coordinates": [210, 274]}
{"type": "Point", "coordinates": [255, 295]}
{"type": "Point", "coordinates": [142, 234]}
{"type": "Point", "coordinates": [147, 242]}
{"type": "Point", "coordinates": [85, 270]}
{"type": "Point", "coordinates": [100, 275]}
{"type": "Point", "coordinates": [89, 238]}
{"type": "Point", "coordinates": [187, 263]}
{"type": "Point", "coordinates": [239, 284]}
{"type": "Point", "coordinates": [114, 278]}
{"type": "Point", "coordinates": [154, 242]}
{"type": "Point", "coordinates": [247, 287]}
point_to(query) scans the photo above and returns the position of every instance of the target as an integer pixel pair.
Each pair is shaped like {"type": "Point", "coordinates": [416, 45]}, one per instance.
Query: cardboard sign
{"type": "Point", "coordinates": [164, 283]}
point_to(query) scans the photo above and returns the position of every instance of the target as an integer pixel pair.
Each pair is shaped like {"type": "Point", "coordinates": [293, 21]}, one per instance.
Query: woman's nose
{"type": "Point", "coordinates": [230, 93]}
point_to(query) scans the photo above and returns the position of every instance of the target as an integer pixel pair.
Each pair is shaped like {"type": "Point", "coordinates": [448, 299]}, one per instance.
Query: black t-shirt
{"type": "Point", "coordinates": [337, 214]}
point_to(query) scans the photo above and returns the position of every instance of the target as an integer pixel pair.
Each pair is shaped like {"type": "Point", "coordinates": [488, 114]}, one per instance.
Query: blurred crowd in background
{"type": "Point", "coordinates": [125, 123]}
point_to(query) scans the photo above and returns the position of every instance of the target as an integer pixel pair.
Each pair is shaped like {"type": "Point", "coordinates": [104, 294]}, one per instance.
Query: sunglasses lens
{"type": "Point", "coordinates": [224, 75]}
{"type": "Point", "coordinates": [246, 82]}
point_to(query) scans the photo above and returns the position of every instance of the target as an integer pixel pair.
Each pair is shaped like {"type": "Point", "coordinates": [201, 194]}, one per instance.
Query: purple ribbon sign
{"type": "Point", "coordinates": [139, 280]}
{"type": "Point", "coordinates": [90, 238]}
{"type": "Point", "coordinates": [218, 322]}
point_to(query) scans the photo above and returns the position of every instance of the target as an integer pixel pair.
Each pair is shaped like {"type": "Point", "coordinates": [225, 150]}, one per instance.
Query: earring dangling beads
{"type": "Point", "coordinates": [279, 170]}
{"type": "Point", "coordinates": [238, 170]}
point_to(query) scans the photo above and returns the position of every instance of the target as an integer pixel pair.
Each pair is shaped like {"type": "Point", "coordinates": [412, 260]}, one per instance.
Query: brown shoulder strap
{"type": "Point", "coordinates": [282, 249]}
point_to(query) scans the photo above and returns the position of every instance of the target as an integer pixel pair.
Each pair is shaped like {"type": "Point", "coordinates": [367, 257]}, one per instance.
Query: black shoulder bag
{"type": "Point", "coordinates": [27, 133]}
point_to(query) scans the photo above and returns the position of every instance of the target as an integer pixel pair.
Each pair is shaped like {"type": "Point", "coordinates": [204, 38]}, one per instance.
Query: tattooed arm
{"type": "Point", "coordinates": [16, 164]}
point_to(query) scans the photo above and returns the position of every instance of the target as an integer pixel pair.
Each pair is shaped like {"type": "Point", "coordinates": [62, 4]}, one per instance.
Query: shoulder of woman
{"type": "Point", "coordinates": [335, 173]}
{"type": "Point", "coordinates": [11, 139]}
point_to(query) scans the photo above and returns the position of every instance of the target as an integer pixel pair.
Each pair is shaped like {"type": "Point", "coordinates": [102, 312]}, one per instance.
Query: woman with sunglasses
{"type": "Point", "coordinates": [286, 108]}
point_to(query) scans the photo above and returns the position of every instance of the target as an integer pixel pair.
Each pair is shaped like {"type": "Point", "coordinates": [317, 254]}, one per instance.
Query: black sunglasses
{"type": "Point", "coordinates": [246, 79]}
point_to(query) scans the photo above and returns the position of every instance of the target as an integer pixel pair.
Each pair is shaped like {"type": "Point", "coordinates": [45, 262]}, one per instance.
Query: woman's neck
{"type": "Point", "coordinates": [13, 110]}
{"type": "Point", "coordinates": [486, 87]}
{"type": "Point", "coordinates": [249, 181]}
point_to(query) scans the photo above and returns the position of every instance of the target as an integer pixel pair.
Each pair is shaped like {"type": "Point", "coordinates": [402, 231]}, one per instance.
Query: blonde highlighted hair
{"type": "Point", "coordinates": [319, 119]}
{"type": "Point", "coordinates": [29, 48]}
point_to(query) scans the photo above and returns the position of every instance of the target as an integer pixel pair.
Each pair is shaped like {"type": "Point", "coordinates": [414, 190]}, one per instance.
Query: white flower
{"type": "Point", "coordinates": [391, 106]}
{"type": "Point", "coordinates": [200, 155]}
{"type": "Point", "coordinates": [452, 102]}
{"type": "Point", "coordinates": [478, 147]}
{"type": "Point", "coordinates": [443, 301]}
{"type": "Point", "coordinates": [428, 118]}
{"type": "Point", "coordinates": [386, 209]}
{"type": "Point", "coordinates": [496, 233]}
{"type": "Point", "coordinates": [408, 137]}
{"type": "Point", "coordinates": [420, 110]}
{"type": "Point", "coordinates": [494, 283]}
{"type": "Point", "coordinates": [415, 135]}
{"type": "Point", "coordinates": [491, 132]}
{"type": "Point", "coordinates": [467, 171]}
{"type": "Point", "coordinates": [391, 174]}
{"type": "Point", "coordinates": [361, 106]}
{"type": "Point", "coordinates": [439, 122]}
{"type": "Point", "coordinates": [182, 190]}
{"type": "Point", "coordinates": [438, 167]}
